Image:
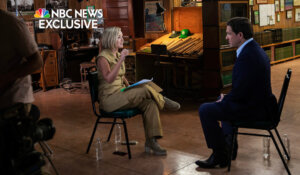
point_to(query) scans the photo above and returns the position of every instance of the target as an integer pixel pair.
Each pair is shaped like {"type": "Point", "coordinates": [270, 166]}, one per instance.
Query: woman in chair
{"type": "Point", "coordinates": [111, 75]}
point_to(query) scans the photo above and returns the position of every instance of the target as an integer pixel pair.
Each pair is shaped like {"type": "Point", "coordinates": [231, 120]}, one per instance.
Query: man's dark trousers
{"type": "Point", "coordinates": [210, 114]}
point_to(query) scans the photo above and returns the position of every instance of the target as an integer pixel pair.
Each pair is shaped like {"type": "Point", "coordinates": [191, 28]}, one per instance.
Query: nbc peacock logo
{"type": "Point", "coordinates": [42, 13]}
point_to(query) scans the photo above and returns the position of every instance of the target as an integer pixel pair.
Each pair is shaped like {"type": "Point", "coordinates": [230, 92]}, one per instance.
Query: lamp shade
{"type": "Point", "coordinates": [159, 9]}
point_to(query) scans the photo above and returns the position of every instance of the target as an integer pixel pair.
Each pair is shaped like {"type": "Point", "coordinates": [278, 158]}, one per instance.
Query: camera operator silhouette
{"type": "Point", "coordinates": [19, 125]}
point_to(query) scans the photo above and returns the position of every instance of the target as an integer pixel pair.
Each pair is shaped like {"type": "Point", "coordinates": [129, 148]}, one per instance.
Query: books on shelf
{"type": "Point", "coordinates": [297, 49]}
{"type": "Point", "coordinates": [268, 52]}
{"type": "Point", "coordinates": [283, 52]}
{"type": "Point", "coordinates": [266, 38]}
{"type": "Point", "coordinates": [228, 58]}
{"type": "Point", "coordinates": [276, 35]}
{"type": "Point", "coordinates": [227, 78]}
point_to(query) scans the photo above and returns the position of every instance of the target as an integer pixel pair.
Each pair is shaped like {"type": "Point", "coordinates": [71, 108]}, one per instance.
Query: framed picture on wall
{"type": "Point", "coordinates": [296, 2]}
{"type": "Point", "coordinates": [99, 16]}
{"type": "Point", "coordinates": [250, 2]}
{"type": "Point", "coordinates": [289, 14]}
{"type": "Point", "coordinates": [297, 14]}
{"type": "Point", "coordinates": [89, 7]}
{"type": "Point", "coordinates": [266, 14]}
{"type": "Point", "coordinates": [276, 5]}
{"type": "Point", "coordinates": [56, 4]}
{"type": "Point", "coordinates": [256, 16]}
{"type": "Point", "coordinates": [154, 16]}
{"type": "Point", "coordinates": [282, 5]}
{"type": "Point", "coordinates": [25, 7]}
{"type": "Point", "coordinates": [261, 1]}
{"type": "Point", "coordinates": [288, 4]}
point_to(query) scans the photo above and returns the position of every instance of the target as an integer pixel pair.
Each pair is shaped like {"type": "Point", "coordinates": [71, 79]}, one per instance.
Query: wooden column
{"type": "Point", "coordinates": [3, 5]}
{"type": "Point", "coordinates": [211, 47]}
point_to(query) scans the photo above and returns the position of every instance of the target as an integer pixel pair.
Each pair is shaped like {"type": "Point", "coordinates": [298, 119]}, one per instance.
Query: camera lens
{"type": "Point", "coordinates": [44, 129]}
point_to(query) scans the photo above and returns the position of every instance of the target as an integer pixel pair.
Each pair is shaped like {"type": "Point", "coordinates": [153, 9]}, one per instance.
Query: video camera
{"type": "Point", "coordinates": [19, 133]}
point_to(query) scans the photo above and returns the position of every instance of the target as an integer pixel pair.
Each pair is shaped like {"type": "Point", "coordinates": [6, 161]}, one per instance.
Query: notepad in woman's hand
{"type": "Point", "coordinates": [144, 81]}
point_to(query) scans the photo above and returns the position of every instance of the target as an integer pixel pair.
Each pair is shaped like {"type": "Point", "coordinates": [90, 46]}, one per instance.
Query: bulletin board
{"type": "Point", "coordinates": [266, 14]}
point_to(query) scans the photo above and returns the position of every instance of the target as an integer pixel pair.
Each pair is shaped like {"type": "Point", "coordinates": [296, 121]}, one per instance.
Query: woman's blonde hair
{"type": "Point", "coordinates": [109, 37]}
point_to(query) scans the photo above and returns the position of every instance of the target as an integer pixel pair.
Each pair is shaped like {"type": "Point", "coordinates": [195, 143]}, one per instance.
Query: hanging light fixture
{"type": "Point", "coordinates": [159, 9]}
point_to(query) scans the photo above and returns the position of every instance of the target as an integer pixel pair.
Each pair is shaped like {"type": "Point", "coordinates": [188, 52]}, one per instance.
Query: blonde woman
{"type": "Point", "coordinates": [111, 75]}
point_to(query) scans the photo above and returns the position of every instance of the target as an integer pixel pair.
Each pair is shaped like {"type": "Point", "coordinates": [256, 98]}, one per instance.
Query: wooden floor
{"type": "Point", "coordinates": [183, 137]}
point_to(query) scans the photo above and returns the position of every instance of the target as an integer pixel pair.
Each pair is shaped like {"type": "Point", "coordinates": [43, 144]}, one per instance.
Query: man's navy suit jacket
{"type": "Point", "coordinates": [251, 96]}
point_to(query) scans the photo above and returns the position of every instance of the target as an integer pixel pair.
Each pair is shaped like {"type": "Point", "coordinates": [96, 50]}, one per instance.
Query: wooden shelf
{"type": "Point", "coordinates": [274, 46]}
{"type": "Point", "coordinates": [280, 43]}
{"type": "Point", "coordinates": [227, 68]}
{"type": "Point", "coordinates": [227, 49]}
{"type": "Point", "coordinates": [285, 59]}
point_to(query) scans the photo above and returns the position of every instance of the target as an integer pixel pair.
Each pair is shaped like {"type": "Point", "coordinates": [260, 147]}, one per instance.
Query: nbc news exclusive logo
{"type": "Point", "coordinates": [62, 19]}
{"type": "Point", "coordinates": [42, 13]}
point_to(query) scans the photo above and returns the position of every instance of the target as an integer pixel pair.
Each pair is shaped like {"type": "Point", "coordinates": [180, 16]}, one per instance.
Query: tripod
{"type": "Point", "coordinates": [47, 153]}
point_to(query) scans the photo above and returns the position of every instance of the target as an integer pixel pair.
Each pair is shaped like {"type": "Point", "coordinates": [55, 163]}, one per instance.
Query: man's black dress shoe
{"type": "Point", "coordinates": [228, 139]}
{"type": "Point", "coordinates": [216, 159]}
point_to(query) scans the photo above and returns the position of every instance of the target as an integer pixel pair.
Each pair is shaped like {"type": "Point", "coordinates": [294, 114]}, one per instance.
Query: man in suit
{"type": "Point", "coordinates": [250, 99]}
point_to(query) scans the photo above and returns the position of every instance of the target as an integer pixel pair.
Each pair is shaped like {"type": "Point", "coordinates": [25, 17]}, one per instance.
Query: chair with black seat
{"type": "Point", "coordinates": [266, 125]}
{"type": "Point", "coordinates": [119, 114]}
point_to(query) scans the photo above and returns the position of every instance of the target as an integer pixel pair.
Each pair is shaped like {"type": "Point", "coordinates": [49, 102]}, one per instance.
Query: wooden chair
{"type": "Point", "coordinates": [119, 114]}
{"type": "Point", "coordinates": [266, 125]}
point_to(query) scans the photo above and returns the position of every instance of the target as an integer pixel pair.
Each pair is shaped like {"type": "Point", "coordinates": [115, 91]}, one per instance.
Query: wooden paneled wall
{"type": "Point", "coordinates": [73, 4]}
{"type": "Point", "coordinates": [39, 4]}
{"type": "Point", "coordinates": [188, 18]}
{"type": "Point", "coordinates": [119, 13]}
{"type": "Point", "coordinates": [3, 4]}
{"type": "Point", "coordinates": [284, 23]}
{"type": "Point", "coordinates": [168, 4]}
{"type": "Point", "coordinates": [177, 3]}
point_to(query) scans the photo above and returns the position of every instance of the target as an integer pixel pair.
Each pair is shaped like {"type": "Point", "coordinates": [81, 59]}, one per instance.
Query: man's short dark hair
{"type": "Point", "coordinates": [241, 24]}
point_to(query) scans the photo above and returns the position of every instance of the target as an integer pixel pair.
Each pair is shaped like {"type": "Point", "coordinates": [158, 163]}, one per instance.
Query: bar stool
{"type": "Point", "coordinates": [84, 68]}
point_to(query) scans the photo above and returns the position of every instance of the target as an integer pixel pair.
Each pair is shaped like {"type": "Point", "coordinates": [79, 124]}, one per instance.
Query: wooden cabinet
{"type": "Point", "coordinates": [50, 70]}
{"type": "Point", "coordinates": [179, 76]}
{"type": "Point", "coordinates": [178, 70]}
